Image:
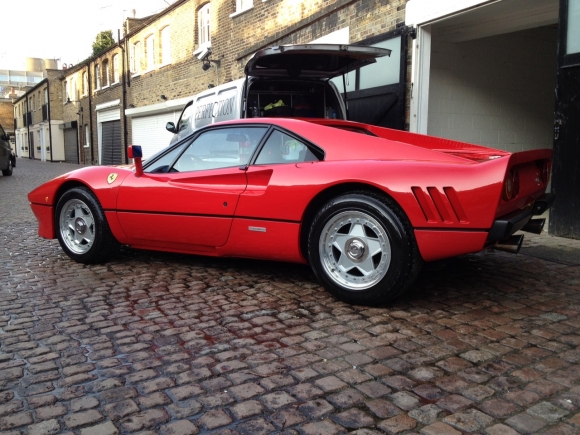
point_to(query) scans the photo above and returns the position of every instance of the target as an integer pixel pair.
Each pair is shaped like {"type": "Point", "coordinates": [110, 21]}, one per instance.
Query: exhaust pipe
{"type": "Point", "coordinates": [534, 226]}
{"type": "Point", "coordinates": [512, 244]}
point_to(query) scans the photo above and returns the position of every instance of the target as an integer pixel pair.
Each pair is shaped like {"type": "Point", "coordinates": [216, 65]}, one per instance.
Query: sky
{"type": "Point", "coordinates": [62, 29]}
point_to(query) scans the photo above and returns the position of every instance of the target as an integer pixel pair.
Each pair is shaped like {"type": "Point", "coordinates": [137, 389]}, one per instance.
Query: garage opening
{"type": "Point", "coordinates": [496, 91]}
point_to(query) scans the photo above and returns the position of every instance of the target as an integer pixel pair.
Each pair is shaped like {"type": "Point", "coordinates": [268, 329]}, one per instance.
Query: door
{"type": "Point", "coordinates": [565, 213]}
{"type": "Point", "coordinates": [71, 154]}
{"type": "Point", "coordinates": [187, 197]}
{"type": "Point", "coordinates": [375, 93]}
{"type": "Point", "coordinates": [150, 132]}
{"type": "Point", "coordinates": [111, 148]}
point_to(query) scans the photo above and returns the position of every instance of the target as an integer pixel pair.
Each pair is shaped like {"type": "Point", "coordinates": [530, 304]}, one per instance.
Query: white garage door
{"type": "Point", "coordinates": [150, 132]}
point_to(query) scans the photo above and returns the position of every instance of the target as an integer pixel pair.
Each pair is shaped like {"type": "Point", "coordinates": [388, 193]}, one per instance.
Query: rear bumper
{"type": "Point", "coordinates": [505, 226]}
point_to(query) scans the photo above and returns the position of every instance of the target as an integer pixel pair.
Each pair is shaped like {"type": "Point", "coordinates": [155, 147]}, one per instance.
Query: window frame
{"type": "Point", "coordinates": [203, 36]}
{"type": "Point", "coordinates": [97, 77]}
{"type": "Point", "coordinates": [242, 6]}
{"type": "Point", "coordinates": [150, 52]}
{"type": "Point", "coordinates": [136, 58]}
{"type": "Point", "coordinates": [165, 45]}
{"type": "Point", "coordinates": [116, 74]}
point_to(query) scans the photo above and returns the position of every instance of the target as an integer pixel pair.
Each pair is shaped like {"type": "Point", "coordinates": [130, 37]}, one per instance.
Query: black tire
{"type": "Point", "coordinates": [372, 236]}
{"type": "Point", "coordinates": [82, 228]}
{"type": "Point", "coordinates": [8, 171]}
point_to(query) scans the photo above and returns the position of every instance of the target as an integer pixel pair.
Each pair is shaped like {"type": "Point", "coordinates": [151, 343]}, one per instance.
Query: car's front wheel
{"type": "Point", "coordinates": [8, 171]}
{"type": "Point", "coordinates": [362, 248]}
{"type": "Point", "coordinates": [82, 228]}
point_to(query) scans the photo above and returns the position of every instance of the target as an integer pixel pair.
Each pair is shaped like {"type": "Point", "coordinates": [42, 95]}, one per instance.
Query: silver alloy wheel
{"type": "Point", "coordinates": [355, 250]}
{"type": "Point", "coordinates": [77, 226]}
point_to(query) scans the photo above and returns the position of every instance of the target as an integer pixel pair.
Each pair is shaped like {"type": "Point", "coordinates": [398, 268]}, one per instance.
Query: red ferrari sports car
{"type": "Point", "coordinates": [365, 206]}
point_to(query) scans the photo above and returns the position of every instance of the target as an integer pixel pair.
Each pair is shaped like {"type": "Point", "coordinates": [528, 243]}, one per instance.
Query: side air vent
{"type": "Point", "coordinates": [440, 206]}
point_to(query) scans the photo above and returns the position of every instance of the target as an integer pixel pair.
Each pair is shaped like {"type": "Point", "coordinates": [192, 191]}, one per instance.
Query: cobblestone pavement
{"type": "Point", "coordinates": [173, 344]}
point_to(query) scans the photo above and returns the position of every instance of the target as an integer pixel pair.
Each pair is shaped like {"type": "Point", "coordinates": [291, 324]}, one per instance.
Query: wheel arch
{"type": "Point", "coordinates": [327, 194]}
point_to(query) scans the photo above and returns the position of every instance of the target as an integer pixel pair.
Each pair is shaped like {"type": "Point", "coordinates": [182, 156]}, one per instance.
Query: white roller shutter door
{"type": "Point", "coordinates": [150, 132]}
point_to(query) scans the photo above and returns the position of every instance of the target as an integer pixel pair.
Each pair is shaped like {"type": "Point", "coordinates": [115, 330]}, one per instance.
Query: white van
{"type": "Point", "coordinates": [283, 81]}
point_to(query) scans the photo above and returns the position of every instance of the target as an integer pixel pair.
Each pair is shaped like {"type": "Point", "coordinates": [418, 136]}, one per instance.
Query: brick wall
{"type": "Point", "coordinates": [7, 115]}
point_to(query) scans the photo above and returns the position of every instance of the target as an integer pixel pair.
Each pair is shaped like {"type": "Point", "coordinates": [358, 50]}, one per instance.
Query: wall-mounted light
{"type": "Point", "coordinates": [163, 97]}
{"type": "Point", "coordinates": [131, 106]}
{"type": "Point", "coordinates": [211, 85]}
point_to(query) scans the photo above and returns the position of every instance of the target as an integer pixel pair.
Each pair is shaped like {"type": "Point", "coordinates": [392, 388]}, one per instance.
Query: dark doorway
{"type": "Point", "coordinates": [565, 213]}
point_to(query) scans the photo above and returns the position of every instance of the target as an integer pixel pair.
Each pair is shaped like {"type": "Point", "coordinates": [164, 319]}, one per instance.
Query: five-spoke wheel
{"type": "Point", "coordinates": [361, 247]}
{"type": "Point", "coordinates": [77, 226]}
{"type": "Point", "coordinates": [82, 228]}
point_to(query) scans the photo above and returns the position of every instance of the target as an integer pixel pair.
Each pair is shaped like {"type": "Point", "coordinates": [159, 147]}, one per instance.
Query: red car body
{"type": "Point", "coordinates": [455, 196]}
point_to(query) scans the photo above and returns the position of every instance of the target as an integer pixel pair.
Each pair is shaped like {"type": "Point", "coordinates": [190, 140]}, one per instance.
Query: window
{"type": "Point", "coordinates": [242, 5]}
{"type": "Point", "coordinates": [73, 89]}
{"type": "Point", "coordinates": [87, 136]}
{"type": "Point", "coordinates": [218, 148]}
{"type": "Point", "coordinates": [106, 73]}
{"type": "Point", "coordinates": [85, 84]}
{"type": "Point", "coordinates": [165, 46]}
{"type": "Point", "coordinates": [136, 58]}
{"type": "Point", "coordinates": [116, 68]}
{"type": "Point", "coordinates": [149, 52]}
{"type": "Point", "coordinates": [65, 91]}
{"type": "Point", "coordinates": [97, 77]}
{"type": "Point", "coordinates": [203, 23]}
{"type": "Point", "coordinates": [282, 148]}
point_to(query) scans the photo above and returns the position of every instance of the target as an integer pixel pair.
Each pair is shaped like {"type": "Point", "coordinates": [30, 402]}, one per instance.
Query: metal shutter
{"type": "Point", "coordinates": [150, 132]}
{"type": "Point", "coordinates": [111, 149]}
{"type": "Point", "coordinates": [71, 146]}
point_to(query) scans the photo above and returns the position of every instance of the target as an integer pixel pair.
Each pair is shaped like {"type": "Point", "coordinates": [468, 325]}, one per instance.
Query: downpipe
{"type": "Point", "coordinates": [512, 244]}
{"type": "Point", "coordinates": [534, 226]}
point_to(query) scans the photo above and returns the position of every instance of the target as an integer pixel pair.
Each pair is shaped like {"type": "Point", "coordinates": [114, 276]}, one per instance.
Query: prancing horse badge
{"type": "Point", "coordinates": [111, 178]}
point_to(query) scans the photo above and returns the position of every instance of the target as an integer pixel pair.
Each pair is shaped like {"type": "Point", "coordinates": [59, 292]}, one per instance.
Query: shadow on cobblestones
{"type": "Point", "coordinates": [176, 344]}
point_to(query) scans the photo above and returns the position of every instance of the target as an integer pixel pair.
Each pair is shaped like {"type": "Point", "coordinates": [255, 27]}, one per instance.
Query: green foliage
{"type": "Point", "coordinates": [103, 41]}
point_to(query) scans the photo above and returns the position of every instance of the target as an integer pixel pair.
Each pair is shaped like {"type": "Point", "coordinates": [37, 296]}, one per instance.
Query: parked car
{"type": "Point", "coordinates": [7, 157]}
{"type": "Point", "coordinates": [285, 81]}
{"type": "Point", "coordinates": [365, 206]}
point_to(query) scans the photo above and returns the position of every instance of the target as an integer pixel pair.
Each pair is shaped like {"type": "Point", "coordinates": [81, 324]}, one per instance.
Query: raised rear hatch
{"type": "Point", "coordinates": [311, 60]}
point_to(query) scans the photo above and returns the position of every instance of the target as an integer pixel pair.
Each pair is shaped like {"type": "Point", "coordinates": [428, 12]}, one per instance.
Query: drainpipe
{"type": "Point", "coordinates": [90, 80]}
{"type": "Point", "coordinates": [124, 96]}
{"type": "Point", "coordinates": [49, 123]}
{"type": "Point", "coordinates": [30, 149]}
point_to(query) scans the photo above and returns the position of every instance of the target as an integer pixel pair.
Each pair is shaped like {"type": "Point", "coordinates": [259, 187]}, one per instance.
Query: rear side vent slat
{"type": "Point", "coordinates": [440, 206]}
{"type": "Point", "coordinates": [456, 204]}
{"type": "Point", "coordinates": [426, 204]}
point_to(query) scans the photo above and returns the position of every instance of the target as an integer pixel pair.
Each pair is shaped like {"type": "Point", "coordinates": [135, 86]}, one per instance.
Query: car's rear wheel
{"type": "Point", "coordinates": [82, 229]}
{"type": "Point", "coordinates": [8, 171]}
{"type": "Point", "coordinates": [362, 248]}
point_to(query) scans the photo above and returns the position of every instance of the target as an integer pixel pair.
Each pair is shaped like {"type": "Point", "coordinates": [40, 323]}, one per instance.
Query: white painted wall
{"type": "Point", "coordinates": [496, 91]}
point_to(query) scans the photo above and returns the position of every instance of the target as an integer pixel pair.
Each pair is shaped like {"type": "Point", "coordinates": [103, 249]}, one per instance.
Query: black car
{"type": "Point", "coordinates": [7, 158]}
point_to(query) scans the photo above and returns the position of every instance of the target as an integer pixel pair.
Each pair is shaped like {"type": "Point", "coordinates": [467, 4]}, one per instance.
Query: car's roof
{"type": "Point", "coordinates": [346, 144]}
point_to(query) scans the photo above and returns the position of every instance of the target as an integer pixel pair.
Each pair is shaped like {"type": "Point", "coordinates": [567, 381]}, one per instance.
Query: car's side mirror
{"type": "Point", "coordinates": [135, 152]}
{"type": "Point", "coordinates": [170, 127]}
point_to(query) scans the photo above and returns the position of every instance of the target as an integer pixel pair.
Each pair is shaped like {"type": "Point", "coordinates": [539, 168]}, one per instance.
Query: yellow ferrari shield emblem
{"type": "Point", "coordinates": [111, 178]}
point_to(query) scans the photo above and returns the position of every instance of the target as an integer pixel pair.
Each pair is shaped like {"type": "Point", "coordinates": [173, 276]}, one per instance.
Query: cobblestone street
{"type": "Point", "coordinates": [172, 344]}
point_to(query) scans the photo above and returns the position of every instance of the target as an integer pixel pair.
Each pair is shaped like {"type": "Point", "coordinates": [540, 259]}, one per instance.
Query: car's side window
{"type": "Point", "coordinates": [164, 162]}
{"type": "Point", "coordinates": [220, 148]}
{"type": "Point", "coordinates": [282, 148]}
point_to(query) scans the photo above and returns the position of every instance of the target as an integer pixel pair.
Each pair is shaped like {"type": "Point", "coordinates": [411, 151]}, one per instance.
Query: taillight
{"type": "Point", "coordinates": [511, 185]}
{"type": "Point", "coordinates": [544, 168]}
